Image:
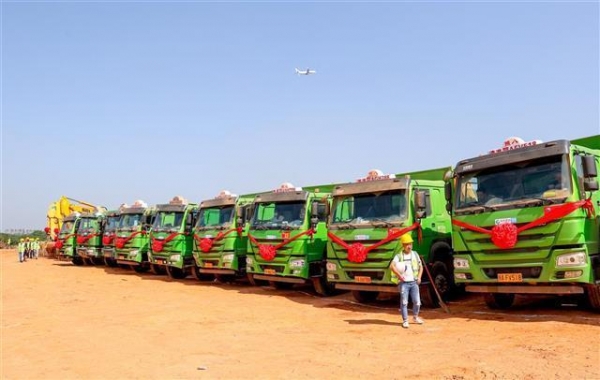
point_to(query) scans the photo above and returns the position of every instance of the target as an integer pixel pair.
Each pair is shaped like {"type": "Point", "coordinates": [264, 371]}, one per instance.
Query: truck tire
{"type": "Point", "coordinates": [441, 279]}
{"type": "Point", "coordinates": [204, 277]}
{"type": "Point", "coordinates": [176, 273]}
{"type": "Point", "coordinates": [77, 261]}
{"type": "Point", "coordinates": [254, 282]}
{"type": "Point", "coordinates": [322, 287]}
{"type": "Point", "coordinates": [499, 300]}
{"type": "Point", "coordinates": [225, 278]}
{"type": "Point", "coordinates": [157, 269]}
{"type": "Point", "coordinates": [364, 296]}
{"type": "Point", "coordinates": [140, 268]}
{"type": "Point", "coordinates": [428, 297]}
{"type": "Point", "coordinates": [110, 262]}
{"type": "Point", "coordinates": [593, 297]}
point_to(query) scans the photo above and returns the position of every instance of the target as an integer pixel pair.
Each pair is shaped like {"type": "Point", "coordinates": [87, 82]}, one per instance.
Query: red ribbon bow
{"type": "Point", "coordinates": [83, 239]}
{"type": "Point", "coordinates": [206, 243]}
{"type": "Point", "coordinates": [108, 238]}
{"type": "Point", "coordinates": [357, 252]}
{"type": "Point", "coordinates": [505, 235]}
{"type": "Point", "coordinates": [268, 251]}
{"type": "Point", "coordinates": [121, 241]}
{"type": "Point", "coordinates": [158, 245]}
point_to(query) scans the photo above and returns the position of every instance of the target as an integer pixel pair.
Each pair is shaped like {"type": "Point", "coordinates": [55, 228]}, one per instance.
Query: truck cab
{"type": "Point", "coordinates": [525, 220]}
{"type": "Point", "coordinates": [171, 238]}
{"type": "Point", "coordinates": [220, 238]}
{"type": "Point", "coordinates": [89, 237]}
{"type": "Point", "coordinates": [132, 236]}
{"type": "Point", "coordinates": [65, 243]}
{"type": "Point", "coordinates": [287, 237]}
{"type": "Point", "coordinates": [111, 223]}
{"type": "Point", "coordinates": [367, 219]}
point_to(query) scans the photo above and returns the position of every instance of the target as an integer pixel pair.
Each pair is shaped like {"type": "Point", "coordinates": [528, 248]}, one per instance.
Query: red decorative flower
{"type": "Point", "coordinates": [59, 244]}
{"type": "Point", "coordinates": [157, 245]}
{"type": "Point", "coordinates": [357, 253]}
{"type": "Point", "coordinates": [267, 252]}
{"type": "Point", "coordinates": [206, 244]}
{"type": "Point", "coordinates": [120, 242]}
{"type": "Point", "coordinates": [47, 230]}
{"type": "Point", "coordinates": [107, 239]}
{"type": "Point", "coordinates": [504, 235]}
{"type": "Point", "coordinates": [81, 239]}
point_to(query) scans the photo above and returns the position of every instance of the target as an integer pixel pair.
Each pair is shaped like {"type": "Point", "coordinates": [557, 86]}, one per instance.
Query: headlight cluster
{"type": "Point", "coordinates": [249, 261]}
{"type": "Point", "coordinates": [296, 263]}
{"type": "Point", "coordinates": [571, 259]}
{"type": "Point", "coordinates": [331, 266]}
{"type": "Point", "coordinates": [175, 258]}
{"type": "Point", "coordinates": [461, 263]}
{"type": "Point", "coordinates": [133, 253]}
{"type": "Point", "coordinates": [228, 258]}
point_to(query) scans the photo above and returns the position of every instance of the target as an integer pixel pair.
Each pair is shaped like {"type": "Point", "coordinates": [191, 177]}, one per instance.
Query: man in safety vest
{"type": "Point", "coordinates": [408, 269]}
{"type": "Point", "coordinates": [21, 250]}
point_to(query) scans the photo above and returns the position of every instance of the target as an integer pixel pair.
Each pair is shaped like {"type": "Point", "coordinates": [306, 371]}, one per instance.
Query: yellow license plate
{"type": "Point", "coordinates": [121, 256]}
{"type": "Point", "coordinates": [270, 271]}
{"type": "Point", "coordinates": [510, 277]}
{"type": "Point", "coordinates": [363, 279]}
{"type": "Point", "coordinates": [208, 265]}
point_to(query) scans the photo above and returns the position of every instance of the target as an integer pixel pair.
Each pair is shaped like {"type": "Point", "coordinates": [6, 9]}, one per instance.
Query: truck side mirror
{"type": "Point", "coordinates": [314, 209]}
{"type": "Point", "coordinates": [420, 200]}
{"type": "Point", "coordinates": [589, 166]}
{"type": "Point", "coordinates": [240, 215]}
{"type": "Point", "coordinates": [448, 191]}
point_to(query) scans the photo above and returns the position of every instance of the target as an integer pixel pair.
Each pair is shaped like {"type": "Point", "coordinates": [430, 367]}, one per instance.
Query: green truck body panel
{"type": "Point", "coordinates": [353, 220]}
{"type": "Point", "coordinates": [300, 259]}
{"type": "Point", "coordinates": [531, 181]}
{"type": "Point", "coordinates": [216, 231]}
{"type": "Point", "coordinates": [171, 238]}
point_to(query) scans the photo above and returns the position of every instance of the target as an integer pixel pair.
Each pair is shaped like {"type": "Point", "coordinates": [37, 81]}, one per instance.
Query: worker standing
{"type": "Point", "coordinates": [21, 250]}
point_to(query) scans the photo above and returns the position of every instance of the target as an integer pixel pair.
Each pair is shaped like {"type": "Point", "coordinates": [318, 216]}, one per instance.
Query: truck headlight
{"type": "Point", "coordinates": [570, 259]}
{"type": "Point", "coordinates": [175, 258]}
{"type": "Point", "coordinates": [133, 253]}
{"type": "Point", "coordinates": [331, 266]}
{"type": "Point", "coordinates": [461, 263]}
{"type": "Point", "coordinates": [228, 258]}
{"type": "Point", "coordinates": [296, 263]}
{"type": "Point", "coordinates": [249, 261]}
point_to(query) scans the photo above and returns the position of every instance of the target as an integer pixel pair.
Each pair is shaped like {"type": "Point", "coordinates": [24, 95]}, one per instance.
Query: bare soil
{"type": "Point", "coordinates": [60, 321]}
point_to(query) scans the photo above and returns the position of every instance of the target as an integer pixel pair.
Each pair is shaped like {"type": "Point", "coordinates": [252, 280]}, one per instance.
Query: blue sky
{"type": "Point", "coordinates": [109, 102]}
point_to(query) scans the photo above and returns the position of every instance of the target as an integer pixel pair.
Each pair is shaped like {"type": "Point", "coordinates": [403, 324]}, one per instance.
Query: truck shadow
{"type": "Point", "coordinates": [466, 306]}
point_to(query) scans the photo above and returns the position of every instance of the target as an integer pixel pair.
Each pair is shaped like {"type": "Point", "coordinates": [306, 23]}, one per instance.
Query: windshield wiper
{"type": "Point", "coordinates": [260, 227]}
{"type": "Point", "coordinates": [377, 222]}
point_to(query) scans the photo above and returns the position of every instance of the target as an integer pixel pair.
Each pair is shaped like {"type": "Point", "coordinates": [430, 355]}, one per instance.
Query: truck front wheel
{"type": "Point", "coordinates": [593, 296]}
{"type": "Point", "coordinates": [499, 300]}
{"type": "Point", "coordinates": [176, 273]}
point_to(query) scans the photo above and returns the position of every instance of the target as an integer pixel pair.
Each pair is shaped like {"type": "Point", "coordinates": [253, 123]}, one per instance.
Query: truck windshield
{"type": "Point", "coordinates": [130, 222]}
{"type": "Point", "coordinates": [67, 227]}
{"type": "Point", "coordinates": [278, 215]}
{"type": "Point", "coordinates": [87, 225]}
{"type": "Point", "coordinates": [543, 180]}
{"type": "Point", "coordinates": [112, 222]}
{"type": "Point", "coordinates": [215, 217]}
{"type": "Point", "coordinates": [386, 206]}
{"type": "Point", "coordinates": [167, 221]}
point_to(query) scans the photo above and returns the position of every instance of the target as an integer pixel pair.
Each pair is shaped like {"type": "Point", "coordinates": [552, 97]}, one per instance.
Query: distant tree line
{"type": "Point", "coordinates": [11, 239]}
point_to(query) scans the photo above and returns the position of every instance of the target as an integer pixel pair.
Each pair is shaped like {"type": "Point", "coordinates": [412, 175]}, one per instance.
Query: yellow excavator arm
{"type": "Point", "coordinates": [58, 210]}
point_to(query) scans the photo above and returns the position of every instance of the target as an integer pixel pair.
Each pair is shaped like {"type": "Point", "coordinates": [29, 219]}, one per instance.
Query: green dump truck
{"type": "Point", "coordinates": [525, 220]}
{"type": "Point", "coordinates": [171, 238]}
{"type": "Point", "coordinates": [89, 237]}
{"type": "Point", "coordinates": [367, 219]}
{"type": "Point", "coordinates": [287, 237]}
{"type": "Point", "coordinates": [220, 238]}
{"type": "Point", "coordinates": [111, 224]}
{"type": "Point", "coordinates": [65, 243]}
{"type": "Point", "coordinates": [132, 239]}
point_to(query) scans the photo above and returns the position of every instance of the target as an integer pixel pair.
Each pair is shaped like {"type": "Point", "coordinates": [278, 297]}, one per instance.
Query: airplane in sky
{"type": "Point", "coordinates": [306, 72]}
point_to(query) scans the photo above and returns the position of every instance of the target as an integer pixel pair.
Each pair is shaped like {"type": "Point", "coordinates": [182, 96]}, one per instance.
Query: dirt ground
{"type": "Point", "coordinates": [60, 321]}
